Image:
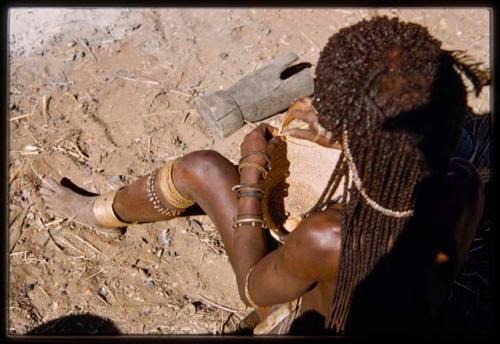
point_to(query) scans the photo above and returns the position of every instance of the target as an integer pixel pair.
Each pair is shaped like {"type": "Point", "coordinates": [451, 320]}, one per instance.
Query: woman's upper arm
{"type": "Point", "coordinates": [310, 255]}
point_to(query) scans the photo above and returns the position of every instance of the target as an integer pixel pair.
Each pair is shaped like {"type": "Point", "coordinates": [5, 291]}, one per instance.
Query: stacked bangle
{"type": "Point", "coordinates": [241, 220]}
{"type": "Point", "coordinates": [265, 155]}
{"type": "Point", "coordinates": [261, 168]}
{"type": "Point", "coordinates": [243, 190]}
{"type": "Point", "coordinates": [246, 187]}
{"type": "Point", "coordinates": [250, 194]}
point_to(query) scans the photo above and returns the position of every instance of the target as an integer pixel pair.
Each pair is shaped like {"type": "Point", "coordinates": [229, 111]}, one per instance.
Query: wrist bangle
{"type": "Point", "coordinates": [250, 194]}
{"type": "Point", "coordinates": [261, 169]}
{"type": "Point", "coordinates": [250, 221]}
{"type": "Point", "coordinates": [265, 155]}
{"type": "Point", "coordinates": [246, 216]}
{"type": "Point", "coordinates": [247, 293]}
{"type": "Point", "coordinates": [245, 187]}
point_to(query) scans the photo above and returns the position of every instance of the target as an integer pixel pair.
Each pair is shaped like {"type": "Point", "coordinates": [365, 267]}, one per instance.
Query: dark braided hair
{"type": "Point", "coordinates": [391, 87]}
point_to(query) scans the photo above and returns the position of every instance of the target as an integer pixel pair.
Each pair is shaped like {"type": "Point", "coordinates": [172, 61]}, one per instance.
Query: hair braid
{"type": "Point", "coordinates": [367, 76]}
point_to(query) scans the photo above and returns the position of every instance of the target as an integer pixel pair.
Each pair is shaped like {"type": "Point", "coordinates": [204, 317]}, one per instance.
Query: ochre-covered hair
{"type": "Point", "coordinates": [388, 91]}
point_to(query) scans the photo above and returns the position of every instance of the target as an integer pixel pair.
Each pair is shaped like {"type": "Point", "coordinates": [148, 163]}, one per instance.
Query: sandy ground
{"type": "Point", "coordinates": [120, 86]}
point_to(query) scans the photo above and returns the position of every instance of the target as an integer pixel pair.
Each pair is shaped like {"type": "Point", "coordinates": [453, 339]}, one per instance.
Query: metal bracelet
{"type": "Point", "coordinates": [248, 187]}
{"type": "Point", "coordinates": [252, 222]}
{"type": "Point", "coordinates": [267, 156]}
{"type": "Point", "coordinates": [261, 168]}
{"type": "Point", "coordinates": [247, 216]}
{"type": "Point", "coordinates": [250, 194]}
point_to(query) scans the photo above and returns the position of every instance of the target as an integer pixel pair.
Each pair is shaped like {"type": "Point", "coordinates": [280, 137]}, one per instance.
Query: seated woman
{"type": "Point", "coordinates": [388, 93]}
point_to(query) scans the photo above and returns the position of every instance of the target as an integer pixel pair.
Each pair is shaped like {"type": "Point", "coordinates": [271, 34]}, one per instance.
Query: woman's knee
{"type": "Point", "coordinates": [204, 166]}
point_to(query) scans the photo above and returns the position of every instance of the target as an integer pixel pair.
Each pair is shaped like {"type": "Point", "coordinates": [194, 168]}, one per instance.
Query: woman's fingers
{"type": "Point", "coordinates": [273, 144]}
{"type": "Point", "coordinates": [304, 104]}
{"type": "Point", "coordinates": [306, 116]}
{"type": "Point", "coordinates": [263, 127]}
{"type": "Point", "coordinates": [305, 134]}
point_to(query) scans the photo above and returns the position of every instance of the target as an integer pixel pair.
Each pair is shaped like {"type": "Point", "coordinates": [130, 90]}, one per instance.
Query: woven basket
{"type": "Point", "coordinates": [300, 172]}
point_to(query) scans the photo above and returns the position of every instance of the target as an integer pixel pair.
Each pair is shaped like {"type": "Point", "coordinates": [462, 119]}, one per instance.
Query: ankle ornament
{"type": "Point", "coordinates": [103, 211]}
{"type": "Point", "coordinates": [155, 200]}
{"type": "Point", "coordinates": [168, 189]}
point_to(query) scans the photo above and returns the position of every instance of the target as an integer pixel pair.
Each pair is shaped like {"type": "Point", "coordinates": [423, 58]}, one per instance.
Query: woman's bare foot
{"type": "Point", "coordinates": [63, 202]}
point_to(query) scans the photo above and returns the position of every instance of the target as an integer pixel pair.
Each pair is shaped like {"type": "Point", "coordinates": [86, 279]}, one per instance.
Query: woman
{"type": "Point", "coordinates": [386, 92]}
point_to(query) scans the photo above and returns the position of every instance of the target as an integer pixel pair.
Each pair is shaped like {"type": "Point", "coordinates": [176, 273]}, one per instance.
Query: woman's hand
{"type": "Point", "coordinates": [261, 139]}
{"type": "Point", "coordinates": [303, 109]}
{"type": "Point", "coordinates": [257, 147]}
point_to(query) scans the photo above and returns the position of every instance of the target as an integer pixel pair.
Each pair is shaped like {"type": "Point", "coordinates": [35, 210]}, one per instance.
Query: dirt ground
{"type": "Point", "coordinates": [103, 96]}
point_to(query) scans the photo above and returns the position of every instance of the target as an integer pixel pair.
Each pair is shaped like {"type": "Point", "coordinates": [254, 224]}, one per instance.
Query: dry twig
{"type": "Point", "coordinates": [254, 67]}
{"type": "Point", "coordinates": [162, 113]}
{"type": "Point", "coordinates": [102, 299]}
{"type": "Point", "coordinates": [21, 116]}
{"type": "Point", "coordinates": [150, 82]}
{"type": "Point", "coordinates": [310, 40]}
{"type": "Point", "coordinates": [53, 222]}
{"type": "Point", "coordinates": [93, 275]}
{"type": "Point", "coordinates": [59, 246]}
{"type": "Point", "coordinates": [181, 93]}
{"type": "Point", "coordinates": [88, 244]}
{"type": "Point", "coordinates": [15, 118]}
{"type": "Point", "coordinates": [17, 228]}
{"type": "Point", "coordinates": [217, 305]}
{"type": "Point", "coordinates": [15, 174]}
{"type": "Point", "coordinates": [45, 108]}
{"type": "Point", "coordinates": [68, 243]}
{"type": "Point", "coordinates": [87, 49]}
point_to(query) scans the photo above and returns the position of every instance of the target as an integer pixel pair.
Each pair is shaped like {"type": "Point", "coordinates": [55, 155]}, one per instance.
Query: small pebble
{"type": "Point", "coordinates": [190, 309]}
{"type": "Point", "coordinates": [115, 179]}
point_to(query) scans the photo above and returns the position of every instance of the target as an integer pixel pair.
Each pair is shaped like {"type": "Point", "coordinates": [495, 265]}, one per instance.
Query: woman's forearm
{"type": "Point", "coordinates": [249, 242]}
